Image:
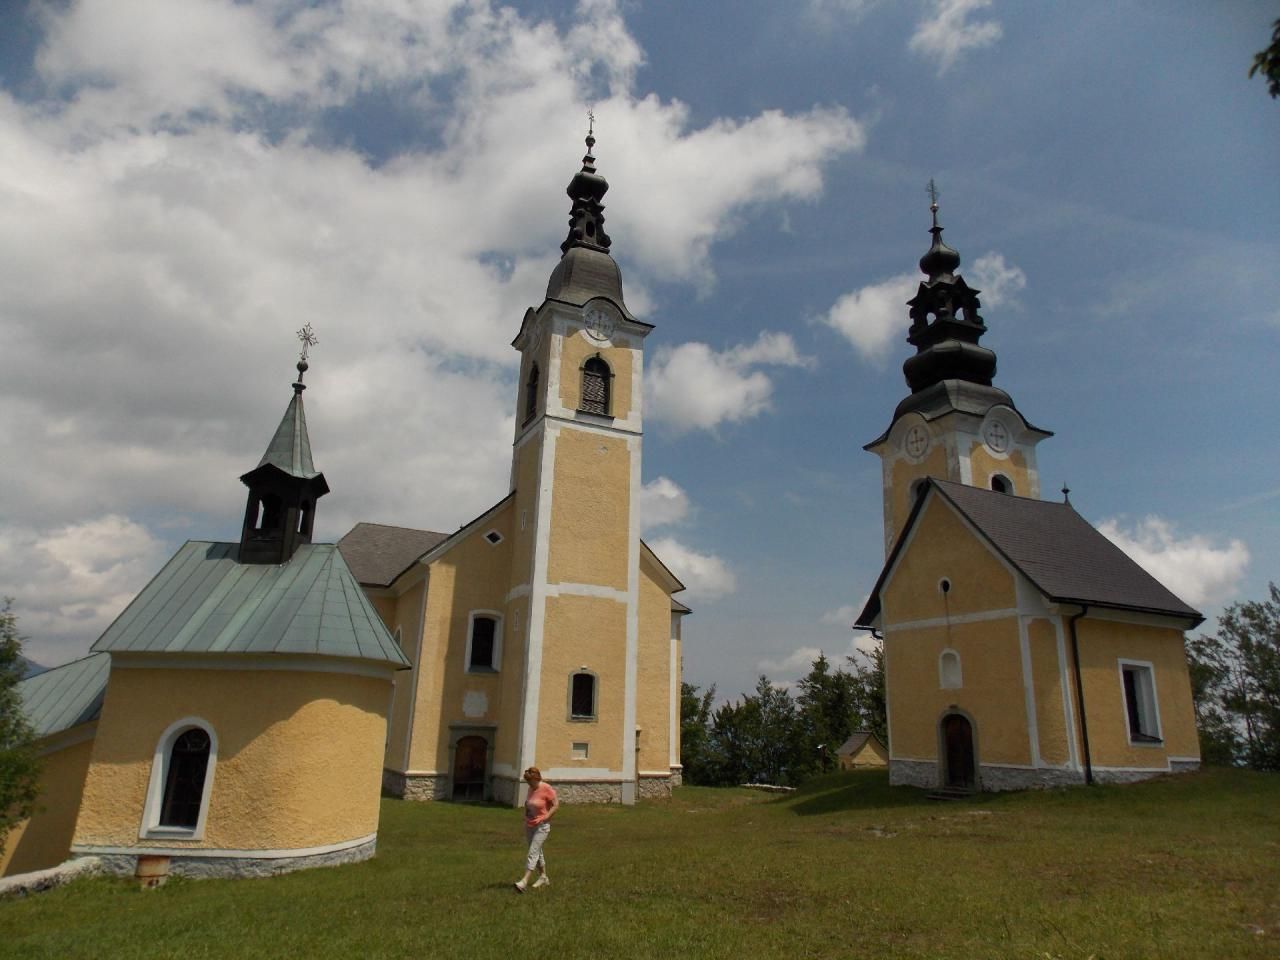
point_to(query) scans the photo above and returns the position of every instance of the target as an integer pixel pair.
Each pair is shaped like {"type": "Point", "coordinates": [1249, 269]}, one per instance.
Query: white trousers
{"type": "Point", "coordinates": [536, 836]}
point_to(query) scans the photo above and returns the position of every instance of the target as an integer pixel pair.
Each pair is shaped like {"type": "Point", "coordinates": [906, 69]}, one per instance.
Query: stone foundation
{"type": "Point", "coordinates": [587, 791]}
{"type": "Point", "coordinates": [992, 779]}
{"type": "Point", "coordinates": [655, 788]}
{"type": "Point", "coordinates": [414, 786]}
{"type": "Point", "coordinates": [913, 773]}
{"type": "Point", "coordinates": [995, 779]}
{"type": "Point", "coordinates": [200, 868]}
{"type": "Point", "coordinates": [677, 776]}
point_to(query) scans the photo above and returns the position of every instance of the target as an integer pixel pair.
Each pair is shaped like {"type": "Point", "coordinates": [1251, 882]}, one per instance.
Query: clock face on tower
{"type": "Point", "coordinates": [996, 436]}
{"type": "Point", "coordinates": [600, 325]}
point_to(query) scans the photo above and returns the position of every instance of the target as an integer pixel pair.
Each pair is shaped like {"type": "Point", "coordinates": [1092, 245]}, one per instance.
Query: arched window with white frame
{"type": "Point", "coordinates": [949, 675]}
{"type": "Point", "coordinates": [181, 782]}
{"type": "Point", "coordinates": [484, 641]}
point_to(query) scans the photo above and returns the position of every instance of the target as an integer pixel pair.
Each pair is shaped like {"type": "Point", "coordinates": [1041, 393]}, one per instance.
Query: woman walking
{"type": "Point", "coordinates": [539, 808]}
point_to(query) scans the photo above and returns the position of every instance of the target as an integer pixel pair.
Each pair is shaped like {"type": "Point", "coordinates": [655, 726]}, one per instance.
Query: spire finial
{"type": "Point", "coordinates": [933, 202]}
{"type": "Point", "coordinates": [1066, 494]}
{"type": "Point", "coordinates": [309, 340]}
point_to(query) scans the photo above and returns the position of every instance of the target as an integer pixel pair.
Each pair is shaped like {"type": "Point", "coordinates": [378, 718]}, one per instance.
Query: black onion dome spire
{"type": "Point", "coordinates": [587, 190]}
{"type": "Point", "coordinates": [586, 270]}
{"type": "Point", "coordinates": [945, 324]}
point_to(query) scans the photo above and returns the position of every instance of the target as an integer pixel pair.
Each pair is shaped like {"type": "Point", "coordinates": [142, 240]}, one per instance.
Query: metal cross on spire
{"type": "Point", "coordinates": [591, 122]}
{"type": "Point", "coordinates": [933, 200]}
{"type": "Point", "coordinates": [308, 338]}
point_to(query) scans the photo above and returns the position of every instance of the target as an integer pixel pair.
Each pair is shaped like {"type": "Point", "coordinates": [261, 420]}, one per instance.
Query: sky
{"type": "Point", "coordinates": [185, 183]}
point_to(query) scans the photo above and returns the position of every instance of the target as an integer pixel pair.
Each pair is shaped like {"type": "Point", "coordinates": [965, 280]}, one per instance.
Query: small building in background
{"type": "Point", "coordinates": [863, 750]}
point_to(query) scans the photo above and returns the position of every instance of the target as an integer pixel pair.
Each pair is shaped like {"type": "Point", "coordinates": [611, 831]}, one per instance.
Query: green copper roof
{"type": "Point", "coordinates": [290, 448]}
{"type": "Point", "coordinates": [65, 696]}
{"type": "Point", "coordinates": [204, 602]}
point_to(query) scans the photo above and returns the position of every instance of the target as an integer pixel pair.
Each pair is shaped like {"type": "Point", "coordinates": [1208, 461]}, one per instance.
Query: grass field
{"type": "Point", "coordinates": [1184, 867]}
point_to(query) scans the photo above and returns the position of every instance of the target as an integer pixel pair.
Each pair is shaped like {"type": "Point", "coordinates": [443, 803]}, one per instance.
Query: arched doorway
{"type": "Point", "coordinates": [957, 745]}
{"type": "Point", "coordinates": [469, 761]}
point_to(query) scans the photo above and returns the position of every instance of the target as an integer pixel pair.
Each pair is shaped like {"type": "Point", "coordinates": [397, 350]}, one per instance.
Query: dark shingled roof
{"type": "Point", "coordinates": [1052, 546]}
{"type": "Point", "coordinates": [377, 554]}
{"type": "Point", "coordinates": [856, 742]}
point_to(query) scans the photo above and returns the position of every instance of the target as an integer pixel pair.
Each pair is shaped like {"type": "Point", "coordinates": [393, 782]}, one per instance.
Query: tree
{"type": "Point", "coordinates": [829, 710]}
{"type": "Point", "coordinates": [1267, 62]}
{"type": "Point", "coordinates": [1236, 684]}
{"type": "Point", "coordinates": [19, 768]}
{"type": "Point", "coordinates": [869, 695]}
{"type": "Point", "coordinates": [696, 756]}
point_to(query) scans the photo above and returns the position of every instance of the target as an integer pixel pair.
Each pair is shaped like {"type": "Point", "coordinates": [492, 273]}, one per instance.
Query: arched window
{"type": "Point", "coordinates": [582, 696]}
{"type": "Point", "coordinates": [949, 677]}
{"type": "Point", "coordinates": [484, 642]}
{"type": "Point", "coordinates": [531, 393]}
{"type": "Point", "coordinates": [595, 386]}
{"type": "Point", "coordinates": [272, 517]}
{"type": "Point", "coordinates": [1000, 483]}
{"type": "Point", "coordinates": [181, 781]}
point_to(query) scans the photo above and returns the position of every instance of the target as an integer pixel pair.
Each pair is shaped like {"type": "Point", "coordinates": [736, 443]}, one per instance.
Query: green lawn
{"type": "Point", "coordinates": [1185, 867]}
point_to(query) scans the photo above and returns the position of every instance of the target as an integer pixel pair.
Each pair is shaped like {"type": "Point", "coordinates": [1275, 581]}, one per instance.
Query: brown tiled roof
{"type": "Point", "coordinates": [377, 554]}
{"type": "Point", "coordinates": [1052, 546]}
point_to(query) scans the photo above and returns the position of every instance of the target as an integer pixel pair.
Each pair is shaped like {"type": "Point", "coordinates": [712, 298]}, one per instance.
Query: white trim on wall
{"type": "Point", "coordinates": [496, 657]}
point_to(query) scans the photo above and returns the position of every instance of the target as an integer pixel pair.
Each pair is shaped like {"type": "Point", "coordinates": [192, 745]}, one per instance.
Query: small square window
{"type": "Point", "coordinates": [494, 537]}
{"type": "Point", "coordinates": [580, 750]}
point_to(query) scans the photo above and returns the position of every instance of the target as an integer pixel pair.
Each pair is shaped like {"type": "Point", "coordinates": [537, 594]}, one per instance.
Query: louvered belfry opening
{"type": "Point", "coordinates": [595, 386]}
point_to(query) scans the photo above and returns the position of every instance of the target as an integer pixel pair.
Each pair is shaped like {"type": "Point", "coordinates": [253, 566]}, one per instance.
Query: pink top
{"type": "Point", "coordinates": [542, 799]}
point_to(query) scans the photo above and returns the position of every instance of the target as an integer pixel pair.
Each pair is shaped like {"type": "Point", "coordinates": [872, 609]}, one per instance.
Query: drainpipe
{"type": "Point", "coordinates": [1084, 726]}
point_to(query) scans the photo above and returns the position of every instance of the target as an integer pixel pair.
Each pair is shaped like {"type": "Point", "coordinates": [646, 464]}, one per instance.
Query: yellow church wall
{"type": "Point", "coordinates": [653, 675]}
{"type": "Point", "coordinates": [1102, 645]}
{"type": "Point", "coordinates": [403, 613]}
{"type": "Point", "coordinates": [524, 510]}
{"type": "Point", "coordinates": [589, 512]}
{"type": "Point", "coordinates": [1046, 679]}
{"type": "Point", "coordinates": [472, 576]}
{"type": "Point", "coordinates": [299, 756]}
{"type": "Point", "coordinates": [942, 546]}
{"type": "Point", "coordinates": [44, 840]}
{"type": "Point", "coordinates": [903, 475]}
{"type": "Point", "coordinates": [983, 465]}
{"type": "Point", "coordinates": [574, 352]}
{"type": "Point", "coordinates": [507, 711]}
{"type": "Point", "coordinates": [992, 691]}
{"type": "Point", "coordinates": [582, 632]}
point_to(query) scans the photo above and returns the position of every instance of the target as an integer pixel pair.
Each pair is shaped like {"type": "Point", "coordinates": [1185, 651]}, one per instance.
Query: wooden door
{"type": "Point", "coordinates": [469, 764]}
{"type": "Point", "coordinates": [957, 735]}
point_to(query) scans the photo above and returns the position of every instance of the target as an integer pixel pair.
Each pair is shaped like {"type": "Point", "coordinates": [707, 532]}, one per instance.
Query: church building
{"type": "Point", "coordinates": [544, 632]}
{"type": "Point", "coordinates": [1021, 647]}
{"type": "Point", "coordinates": [231, 721]}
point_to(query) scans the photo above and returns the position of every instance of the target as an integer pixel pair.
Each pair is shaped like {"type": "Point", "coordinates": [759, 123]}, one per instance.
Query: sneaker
{"type": "Point", "coordinates": [542, 881]}
{"type": "Point", "coordinates": [519, 885]}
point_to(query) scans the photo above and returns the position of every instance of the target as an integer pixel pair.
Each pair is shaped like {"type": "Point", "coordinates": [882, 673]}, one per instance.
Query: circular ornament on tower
{"type": "Point", "coordinates": [996, 436]}
{"type": "Point", "coordinates": [600, 324]}
{"type": "Point", "coordinates": [916, 443]}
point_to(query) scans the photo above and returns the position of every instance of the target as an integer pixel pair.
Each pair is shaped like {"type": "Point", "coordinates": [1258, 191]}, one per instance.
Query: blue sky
{"type": "Point", "coordinates": [186, 183]}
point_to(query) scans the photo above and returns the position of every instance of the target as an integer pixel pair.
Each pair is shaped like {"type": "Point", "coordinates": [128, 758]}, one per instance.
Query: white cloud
{"type": "Point", "coordinates": [692, 387]}
{"type": "Point", "coordinates": [1192, 567]}
{"type": "Point", "coordinates": [841, 616]}
{"type": "Point", "coordinates": [785, 670]}
{"type": "Point", "coordinates": [706, 576]}
{"type": "Point", "coordinates": [947, 33]}
{"type": "Point", "coordinates": [999, 282]}
{"type": "Point", "coordinates": [70, 582]}
{"type": "Point", "coordinates": [874, 317]}
{"type": "Point", "coordinates": [662, 503]}
{"type": "Point", "coordinates": [174, 208]}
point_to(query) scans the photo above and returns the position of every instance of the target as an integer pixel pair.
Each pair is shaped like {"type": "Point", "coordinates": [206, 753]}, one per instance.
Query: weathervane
{"type": "Point", "coordinates": [933, 201]}
{"type": "Point", "coordinates": [309, 340]}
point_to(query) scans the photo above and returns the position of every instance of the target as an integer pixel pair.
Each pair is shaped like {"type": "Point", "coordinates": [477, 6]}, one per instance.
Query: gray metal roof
{"type": "Point", "coordinates": [378, 554]}
{"type": "Point", "coordinates": [856, 741]}
{"type": "Point", "coordinates": [290, 447]}
{"type": "Point", "coordinates": [584, 274]}
{"type": "Point", "coordinates": [204, 601]}
{"type": "Point", "coordinates": [1052, 546]}
{"type": "Point", "coordinates": [65, 696]}
{"type": "Point", "coordinates": [949, 396]}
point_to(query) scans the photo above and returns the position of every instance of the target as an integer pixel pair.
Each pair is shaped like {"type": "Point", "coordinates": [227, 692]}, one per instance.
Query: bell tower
{"type": "Point", "coordinates": [955, 424]}
{"type": "Point", "coordinates": [575, 476]}
{"type": "Point", "coordinates": [285, 485]}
